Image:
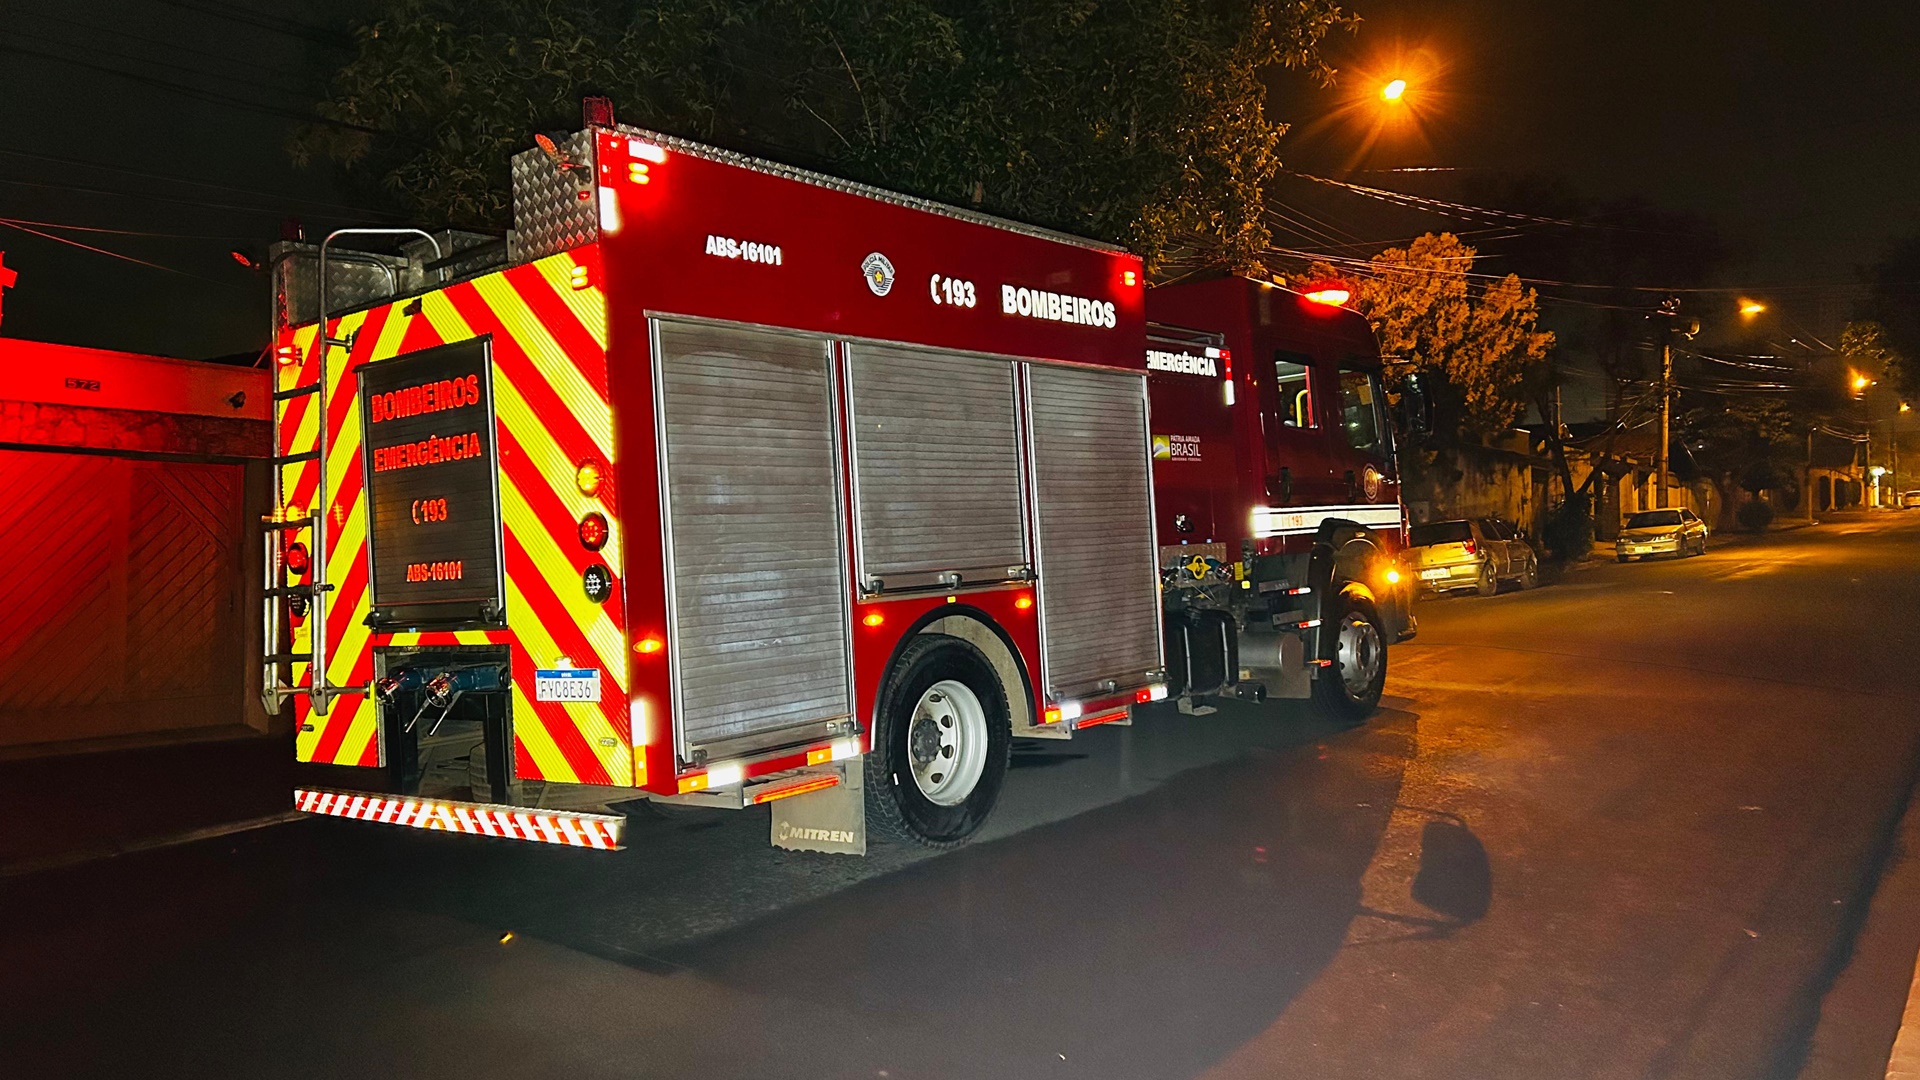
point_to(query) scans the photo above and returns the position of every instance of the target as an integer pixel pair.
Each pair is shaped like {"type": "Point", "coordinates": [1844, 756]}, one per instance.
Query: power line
{"type": "Point", "coordinates": [211, 96]}
{"type": "Point", "coordinates": [260, 211]}
{"type": "Point", "coordinates": [190, 182]}
{"type": "Point", "coordinates": [116, 232]}
{"type": "Point", "coordinates": [288, 27]}
{"type": "Point", "coordinates": [159, 63]}
{"type": "Point", "coordinates": [174, 47]}
{"type": "Point", "coordinates": [5, 223]}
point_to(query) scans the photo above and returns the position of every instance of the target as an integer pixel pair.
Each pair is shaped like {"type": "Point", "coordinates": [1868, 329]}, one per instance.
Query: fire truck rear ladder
{"type": "Point", "coordinates": [277, 635]}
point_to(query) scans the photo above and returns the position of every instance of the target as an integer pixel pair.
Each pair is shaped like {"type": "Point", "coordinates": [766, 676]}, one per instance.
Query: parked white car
{"type": "Point", "coordinates": [1678, 532]}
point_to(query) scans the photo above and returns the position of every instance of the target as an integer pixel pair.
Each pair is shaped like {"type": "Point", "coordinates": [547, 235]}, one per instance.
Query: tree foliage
{"type": "Point", "coordinates": [1751, 444]}
{"type": "Point", "coordinates": [1480, 343]}
{"type": "Point", "coordinates": [1136, 121]}
{"type": "Point", "coordinates": [1866, 347]}
{"type": "Point", "coordinates": [1893, 308]}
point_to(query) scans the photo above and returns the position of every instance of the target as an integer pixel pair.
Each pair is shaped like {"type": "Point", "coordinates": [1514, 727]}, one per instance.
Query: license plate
{"type": "Point", "coordinates": [1431, 575]}
{"type": "Point", "coordinates": [566, 684]}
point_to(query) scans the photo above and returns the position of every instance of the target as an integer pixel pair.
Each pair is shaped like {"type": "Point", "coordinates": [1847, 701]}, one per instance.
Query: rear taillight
{"type": "Point", "coordinates": [593, 531]}
{"type": "Point", "coordinates": [296, 559]}
{"type": "Point", "coordinates": [1471, 547]}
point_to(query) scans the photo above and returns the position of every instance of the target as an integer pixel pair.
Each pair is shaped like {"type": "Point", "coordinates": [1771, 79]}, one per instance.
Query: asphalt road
{"type": "Point", "coordinates": [1620, 826]}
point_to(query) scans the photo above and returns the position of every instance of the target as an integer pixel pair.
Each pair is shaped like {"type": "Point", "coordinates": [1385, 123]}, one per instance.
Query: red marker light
{"type": "Point", "coordinates": [593, 531]}
{"type": "Point", "coordinates": [286, 354]}
{"type": "Point", "coordinates": [296, 559]}
{"type": "Point", "coordinates": [1331, 296]}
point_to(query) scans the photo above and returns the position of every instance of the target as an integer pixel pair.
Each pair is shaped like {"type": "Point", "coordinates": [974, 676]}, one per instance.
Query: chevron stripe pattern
{"type": "Point", "coordinates": [548, 323]}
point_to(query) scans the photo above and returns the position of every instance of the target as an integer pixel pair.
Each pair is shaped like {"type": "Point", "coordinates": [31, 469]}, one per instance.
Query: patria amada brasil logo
{"type": "Point", "coordinates": [878, 270]}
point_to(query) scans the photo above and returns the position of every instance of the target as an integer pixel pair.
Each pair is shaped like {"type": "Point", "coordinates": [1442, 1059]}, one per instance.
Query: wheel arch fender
{"type": "Point", "coordinates": [1336, 570]}
{"type": "Point", "coordinates": [979, 629]}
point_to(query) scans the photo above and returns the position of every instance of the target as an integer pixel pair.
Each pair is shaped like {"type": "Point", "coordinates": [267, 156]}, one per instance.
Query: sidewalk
{"type": "Point", "coordinates": [76, 806]}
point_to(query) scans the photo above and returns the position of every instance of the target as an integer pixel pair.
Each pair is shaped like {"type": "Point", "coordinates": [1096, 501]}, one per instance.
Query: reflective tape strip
{"type": "Point", "coordinates": [1300, 520]}
{"type": "Point", "coordinates": [599, 831]}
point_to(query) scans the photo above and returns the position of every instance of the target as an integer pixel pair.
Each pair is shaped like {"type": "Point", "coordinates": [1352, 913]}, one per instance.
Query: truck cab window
{"type": "Point", "coordinates": [1360, 416]}
{"type": "Point", "coordinates": [1293, 386]}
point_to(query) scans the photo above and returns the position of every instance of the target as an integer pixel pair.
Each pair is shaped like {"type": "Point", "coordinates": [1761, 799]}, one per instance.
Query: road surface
{"type": "Point", "coordinates": [1620, 826]}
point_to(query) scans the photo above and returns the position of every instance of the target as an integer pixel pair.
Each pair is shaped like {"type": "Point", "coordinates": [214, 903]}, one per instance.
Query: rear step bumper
{"type": "Point", "coordinates": [571, 828]}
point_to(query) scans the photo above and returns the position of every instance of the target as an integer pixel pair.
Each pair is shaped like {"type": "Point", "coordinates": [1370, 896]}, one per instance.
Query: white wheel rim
{"type": "Point", "coordinates": [1360, 654]}
{"type": "Point", "coordinates": [947, 742]}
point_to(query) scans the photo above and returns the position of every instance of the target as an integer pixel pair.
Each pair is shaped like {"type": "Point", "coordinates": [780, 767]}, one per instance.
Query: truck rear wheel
{"type": "Point", "coordinates": [941, 742]}
{"type": "Point", "coordinates": [1349, 690]}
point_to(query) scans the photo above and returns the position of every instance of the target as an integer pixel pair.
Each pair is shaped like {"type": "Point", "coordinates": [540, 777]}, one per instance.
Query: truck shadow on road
{"type": "Point", "coordinates": [1147, 938]}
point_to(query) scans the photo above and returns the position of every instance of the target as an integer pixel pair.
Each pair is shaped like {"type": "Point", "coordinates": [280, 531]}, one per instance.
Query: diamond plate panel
{"type": "Point", "coordinates": [549, 216]}
{"type": "Point", "coordinates": [356, 279]}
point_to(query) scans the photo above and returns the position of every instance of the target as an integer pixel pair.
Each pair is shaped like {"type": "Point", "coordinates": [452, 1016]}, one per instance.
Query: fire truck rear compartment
{"type": "Point", "coordinates": [446, 721]}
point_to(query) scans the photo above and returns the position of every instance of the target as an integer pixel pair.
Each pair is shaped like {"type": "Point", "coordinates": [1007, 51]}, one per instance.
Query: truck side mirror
{"type": "Point", "coordinates": [1416, 410]}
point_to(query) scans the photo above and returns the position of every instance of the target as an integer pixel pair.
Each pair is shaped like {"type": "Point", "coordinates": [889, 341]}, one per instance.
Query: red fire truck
{"type": "Point", "coordinates": [720, 478]}
{"type": "Point", "coordinates": [727, 483]}
{"type": "Point", "coordinates": [1276, 493]}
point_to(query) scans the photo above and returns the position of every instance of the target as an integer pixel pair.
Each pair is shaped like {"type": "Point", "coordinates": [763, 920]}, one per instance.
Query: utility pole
{"type": "Point", "coordinates": [1666, 422]}
{"type": "Point", "coordinates": [1671, 324]}
{"type": "Point", "coordinates": [1893, 451]}
{"type": "Point", "coordinates": [1810, 488]}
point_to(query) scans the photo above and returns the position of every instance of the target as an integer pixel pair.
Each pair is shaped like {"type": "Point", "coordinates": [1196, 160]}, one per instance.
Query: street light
{"type": "Point", "coordinates": [1860, 383]}
{"type": "Point", "coordinates": [1394, 90]}
{"type": "Point", "coordinates": [1750, 308]}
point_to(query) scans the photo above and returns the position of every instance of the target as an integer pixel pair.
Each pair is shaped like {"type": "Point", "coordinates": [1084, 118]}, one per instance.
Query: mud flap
{"type": "Point", "coordinates": [833, 820]}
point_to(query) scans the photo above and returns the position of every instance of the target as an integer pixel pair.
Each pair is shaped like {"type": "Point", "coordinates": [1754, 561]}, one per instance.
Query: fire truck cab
{"type": "Point", "coordinates": [1277, 496]}
{"type": "Point", "coordinates": [717, 481]}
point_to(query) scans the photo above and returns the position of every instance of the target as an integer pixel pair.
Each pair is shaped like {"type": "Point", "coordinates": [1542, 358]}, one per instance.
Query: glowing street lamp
{"type": "Point", "coordinates": [1750, 308]}
{"type": "Point", "coordinates": [1394, 90]}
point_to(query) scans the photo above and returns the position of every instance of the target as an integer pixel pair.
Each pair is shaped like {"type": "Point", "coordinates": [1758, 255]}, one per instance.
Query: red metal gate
{"type": "Point", "coordinates": [122, 596]}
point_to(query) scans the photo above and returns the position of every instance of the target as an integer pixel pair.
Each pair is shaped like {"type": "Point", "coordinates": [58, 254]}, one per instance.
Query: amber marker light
{"type": "Point", "coordinates": [872, 618]}
{"type": "Point", "coordinates": [589, 476]}
{"type": "Point", "coordinates": [1023, 602]}
{"type": "Point", "coordinates": [1330, 296]}
{"type": "Point", "coordinates": [647, 646]}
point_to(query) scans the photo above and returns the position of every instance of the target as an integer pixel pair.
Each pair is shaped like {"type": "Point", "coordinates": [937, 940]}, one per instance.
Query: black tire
{"type": "Point", "coordinates": [1530, 574]}
{"type": "Point", "coordinates": [1332, 697]}
{"type": "Point", "coordinates": [1623, 558]}
{"type": "Point", "coordinates": [896, 807]}
{"type": "Point", "coordinates": [1488, 582]}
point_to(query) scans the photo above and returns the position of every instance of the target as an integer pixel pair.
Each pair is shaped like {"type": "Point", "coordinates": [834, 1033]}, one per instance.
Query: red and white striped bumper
{"type": "Point", "coordinates": [600, 831]}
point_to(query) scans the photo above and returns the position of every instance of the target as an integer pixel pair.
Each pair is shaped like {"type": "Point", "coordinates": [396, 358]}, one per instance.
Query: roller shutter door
{"type": "Point", "coordinates": [121, 596]}
{"type": "Point", "coordinates": [758, 584]}
{"type": "Point", "coordinates": [937, 460]}
{"type": "Point", "coordinates": [1098, 584]}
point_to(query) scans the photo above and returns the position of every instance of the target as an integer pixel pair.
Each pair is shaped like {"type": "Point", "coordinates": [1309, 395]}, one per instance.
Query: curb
{"type": "Point", "coordinates": [26, 867]}
{"type": "Point", "coordinates": [1871, 1000]}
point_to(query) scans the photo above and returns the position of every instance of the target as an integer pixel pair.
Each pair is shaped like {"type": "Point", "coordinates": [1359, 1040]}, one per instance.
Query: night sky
{"type": "Point", "coordinates": [1791, 126]}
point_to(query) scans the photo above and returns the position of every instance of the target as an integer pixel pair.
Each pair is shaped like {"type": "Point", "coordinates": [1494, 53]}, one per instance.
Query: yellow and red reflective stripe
{"type": "Point", "coordinates": [571, 828]}
{"type": "Point", "coordinates": [549, 387]}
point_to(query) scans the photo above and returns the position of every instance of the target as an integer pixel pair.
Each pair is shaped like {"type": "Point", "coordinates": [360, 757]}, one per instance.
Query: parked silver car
{"type": "Point", "coordinates": [1678, 532]}
{"type": "Point", "coordinates": [1471, 553]}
